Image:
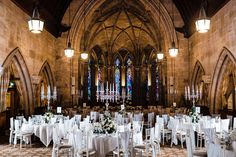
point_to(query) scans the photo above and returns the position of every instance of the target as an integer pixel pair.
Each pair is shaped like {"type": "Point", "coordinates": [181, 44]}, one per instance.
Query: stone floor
{"type": "Point", "coordinates": [39, 150]}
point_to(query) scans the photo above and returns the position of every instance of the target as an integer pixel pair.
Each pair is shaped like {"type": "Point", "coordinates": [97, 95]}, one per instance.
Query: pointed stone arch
{"type": "Point", "coordinates": [198, 71]}
{"type": "Point", "coordinates": [47, 72]}
{"type": "Point", "coordinates": [223, 61]}
{"type": "Point", "coordinates": [15, 57]}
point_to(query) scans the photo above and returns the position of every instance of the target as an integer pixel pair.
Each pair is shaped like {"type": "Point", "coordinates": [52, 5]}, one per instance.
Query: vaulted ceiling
{"type": "Point", "coordinates": [52, 11]}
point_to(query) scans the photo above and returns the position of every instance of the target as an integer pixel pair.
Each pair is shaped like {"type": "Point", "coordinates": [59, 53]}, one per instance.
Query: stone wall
{"type": "Point", "coordinates": [35, 48]}
{"type": "Point", "coordinates": [206, 48]}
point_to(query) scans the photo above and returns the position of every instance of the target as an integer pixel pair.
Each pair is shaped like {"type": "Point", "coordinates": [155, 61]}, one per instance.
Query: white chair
{"type": "Point", "coordinates": [190, 143]}
{"type": "Point", "coordinates": [124, 142]}
{"type": "Point", "coordinates": [77, 119]}
{"type": "Point", "coordinates": [83, 143]}
{"type": "Point", "coordinates": [137, 133]}
{"type": "Point", "coordinates": [166, 133]}
{"type": "Point", "coordinates": [210, 136]}
{"type": "Point", "coordinates": [150, 144]}
{"type": "Point", "coordinates": [177, 131]}
{"type": "Point", "coordinates": [151, 119]}
{"type": "Point", "coordinates": [11, 130]}
{"type": "Point", "coordinates": [224, 125]}
{"type": "Point", "coordinates": [59, 144]}
{"type": "Point", "coordinates": [23, 133]}
{"type": "Point", "coordinates": [138, 117]}
{"type": "Point", "coordinates": [234, 126]}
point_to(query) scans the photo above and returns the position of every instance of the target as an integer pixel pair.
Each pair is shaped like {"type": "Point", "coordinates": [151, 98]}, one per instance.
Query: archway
{"type": "Point", "coordinates": [16, 61]}
{"type": "Point", "coordinates": [46, 80]}
{"type": "Point", "coordinates": [224, 78]}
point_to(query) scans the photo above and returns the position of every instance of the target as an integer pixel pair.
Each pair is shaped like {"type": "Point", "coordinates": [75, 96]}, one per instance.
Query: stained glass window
{"type": "Point", "coordinates": [117, 75]}
{"type": "Point", "coordinates": [146, 82]}
{"type": "Point", "coordinates": [129, 78]}
{"type": "Point", "coordinates": [99, 78]}
{"type": "Point", "coordinates": [89, 82]}
{"type": "Point", "coordinates": [157, 83]}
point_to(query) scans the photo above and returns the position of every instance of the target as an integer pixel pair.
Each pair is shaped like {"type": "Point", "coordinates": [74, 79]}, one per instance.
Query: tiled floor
{"type": "Point", "coordinates": [39, 150]}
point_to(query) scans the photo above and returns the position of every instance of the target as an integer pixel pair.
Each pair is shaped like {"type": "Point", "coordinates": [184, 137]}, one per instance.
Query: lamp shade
{"type": "Point", "coordinates": [84, 55]}
{"type": "Point", "coordinates": [35, 24]}
{"type": "Point", "coordinates": [173, 51]}
{"type": "Point", "coordinates": [69, 52]}
{"type": "Point", "coordinates": [202, 23]}
{"type": "Point", "coordinates": [160, 55]}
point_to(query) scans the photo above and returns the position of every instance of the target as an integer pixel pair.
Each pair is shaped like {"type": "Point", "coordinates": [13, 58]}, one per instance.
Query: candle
{"type": "Point", "coordinates": [110, 87]}
{"type": "Point", "coordinates": [49, 92]}
{"type": "Point", "coordinates": [197, 92]}
{"type": "Point", "coordinates": [193, 90]}
{"type": "Point", "coordinates": [55, 91]}
{"type": "Point", "coordinates": [188, 93]}
{"type": "Point", "coordinates": [42, 92]}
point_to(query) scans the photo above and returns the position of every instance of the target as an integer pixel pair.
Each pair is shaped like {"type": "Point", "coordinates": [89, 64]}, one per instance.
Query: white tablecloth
{"type": "Point", "coordinates": [103, 144]}
{"type": "Point", "coordinates": [44, 132]}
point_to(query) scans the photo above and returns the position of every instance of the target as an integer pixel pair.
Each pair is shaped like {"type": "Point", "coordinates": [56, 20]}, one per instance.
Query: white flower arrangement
{"type": "Point", "coordinates": [47, 116]}
{"type": "Point", "coordinates": [194, 115]}
{"type": "Point", "coordinates": [97, 128]}
{"type": "Point", "coordinates": [108, 124]}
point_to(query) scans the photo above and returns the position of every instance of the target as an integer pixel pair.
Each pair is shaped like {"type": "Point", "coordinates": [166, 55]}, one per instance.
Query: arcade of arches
{"type": "Point", "coordinates": [122, 38]}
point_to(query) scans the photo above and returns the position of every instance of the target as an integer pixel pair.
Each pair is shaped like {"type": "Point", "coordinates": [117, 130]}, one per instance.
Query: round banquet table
{"type": "Point", "coordinates": [104, 144]}
{"type": "Point", "coordinates": [44, 132]}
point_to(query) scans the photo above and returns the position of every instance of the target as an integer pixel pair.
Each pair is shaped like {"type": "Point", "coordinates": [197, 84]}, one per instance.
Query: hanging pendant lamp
{"type": "Point", "coordinates": [84, 54]}
{"type": "Point", "coordinates": [160, 54]}
{"type": "Point", "coordinates": [35, 24]}
{"type": "Point", "coordinates": [173, 50]}
{"type": "Point", "coordinates": [69, 51]}
{"type": "Point", "coordinates": [203, 22]}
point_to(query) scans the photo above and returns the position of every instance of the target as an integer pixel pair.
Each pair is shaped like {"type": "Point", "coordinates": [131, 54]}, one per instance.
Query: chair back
{"type": "Point", "coordinates": [77, 119]}
{"type": "Point", "coordinates": [165, 117]}
{"type": "Point", "coordinates": [234, 126]}
{"type": "Point", "coordinates": [151, 118]}
{"type": "Point", "coordinates": [230, 117]}
{"type": "Point", "coordinates": [210, 135]}
{"type": "Point", "coordinates": [224, 125]}
{"type": "Point", "coordinates": [12, 123]}
{"type": "Point", "coordinates": [190, 140]}
{"type": "Point", "coordinates": [157, 132]}
{"type": "Point", "coordinates": [56, 138]}
{"type": "Point", "coordinates": [123, 143]}
{"type": "Point", "coordinates": [17, 124]}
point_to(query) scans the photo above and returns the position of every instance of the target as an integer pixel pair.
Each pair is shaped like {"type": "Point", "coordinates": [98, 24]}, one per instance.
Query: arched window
{"type": "Point", "coordinates": [146, 80]}
{"type": "Point", "coordinates": [117, 75]}
{"type": "Point", "coordinates": [89, 81]}
{"type": "Point", "coordinates": [129, 77]}
{"type": "Point", "coordinates": [157, 83]}
{"type": "Point", "coordinates": [99, 78]}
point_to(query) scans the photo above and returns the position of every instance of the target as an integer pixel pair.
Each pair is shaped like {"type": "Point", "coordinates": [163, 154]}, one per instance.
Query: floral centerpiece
{"type": "Point", "coordinates": [97, 128]}
{"type": "Point", "coordinates": [47, 116]}
{"type": "Point", "coordinates": [108, 124]}
{"type": "Point", "coordinates": [194, 115]}
{"type": "Point", "coordinates": [232, 137]}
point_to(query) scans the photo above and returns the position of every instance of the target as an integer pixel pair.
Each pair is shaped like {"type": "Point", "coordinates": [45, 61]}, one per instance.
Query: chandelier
{"type": "Point", "coordinates": [203, 22]}
{"type": "Point", "coordinates": [35, 24]}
